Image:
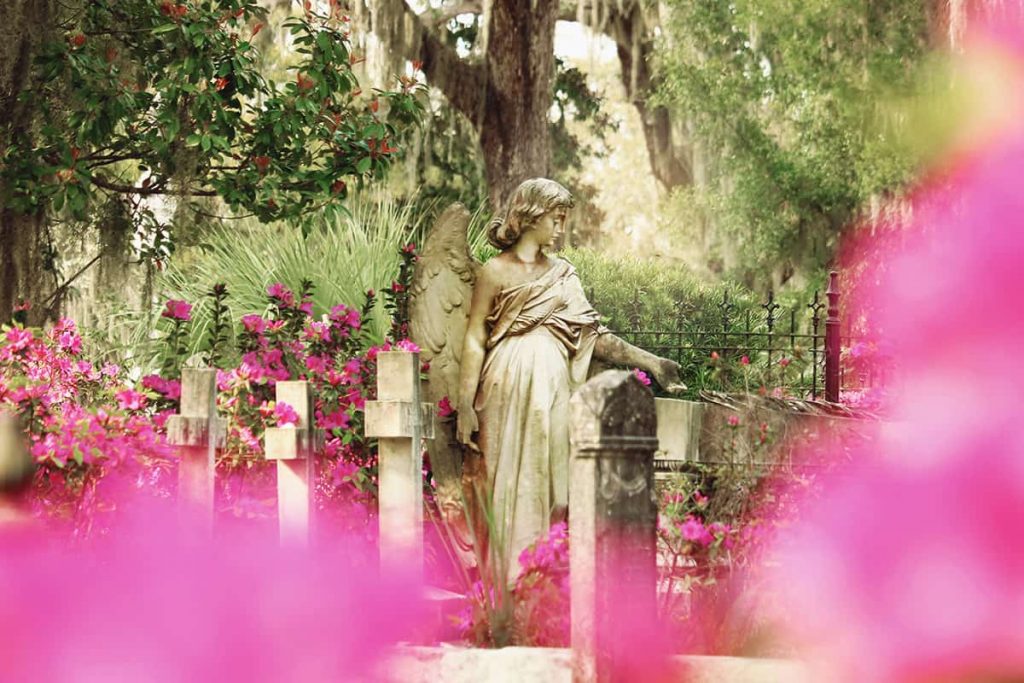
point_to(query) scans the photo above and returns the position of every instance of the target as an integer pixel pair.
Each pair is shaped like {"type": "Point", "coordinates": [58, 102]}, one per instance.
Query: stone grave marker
{"type": "Point", "coordinates": [612, 523]}
{"type": "Point", "coordinates": [197, 433]}
{"type": "Point", "coordinates": [293, 447]}
{"type": "Point", "coordinates": [400, 421]}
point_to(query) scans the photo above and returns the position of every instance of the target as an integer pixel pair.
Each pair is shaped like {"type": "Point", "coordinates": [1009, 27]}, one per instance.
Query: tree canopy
{"type": "Point", "coordinates": [125, 99]}
{"type": "Point", "coordinates": [788, 102]}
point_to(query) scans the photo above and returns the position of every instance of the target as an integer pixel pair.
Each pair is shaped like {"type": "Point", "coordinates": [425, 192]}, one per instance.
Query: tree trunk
{"type": "Point", "coordinates": [514, 130]}
{"type": "Point", "coordinates": [24, 275]}
{"type": "Point", "coordinates": [670, 163]}
{"type": "Point", "coordinates": [507, 96]}
{"type": "Point", "coordinates": [24, 24]}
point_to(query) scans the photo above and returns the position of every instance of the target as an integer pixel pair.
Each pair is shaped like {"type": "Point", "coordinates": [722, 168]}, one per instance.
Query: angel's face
{"type": "Point", "coordinates": [549, 228]}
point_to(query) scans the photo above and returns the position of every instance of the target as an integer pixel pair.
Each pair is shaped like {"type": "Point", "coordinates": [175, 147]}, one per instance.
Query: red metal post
{"type": "Point", "coordinates": [832, 339]}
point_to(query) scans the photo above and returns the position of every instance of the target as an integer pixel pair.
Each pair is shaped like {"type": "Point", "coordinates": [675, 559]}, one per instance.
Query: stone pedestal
{"type": "Point", "coordinates": [197, 432]}
{"type": "Point", "coordinates": [612, 523]}
{"type": "Point", "coordinates": [293, 448]}
{"type": "Point", "coordinates": [679, 424]}
{"type": "Point", "coordinates": [396, 418]}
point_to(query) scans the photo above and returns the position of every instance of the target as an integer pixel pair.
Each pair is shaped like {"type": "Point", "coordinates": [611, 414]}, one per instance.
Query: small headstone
{"type": "Point", "coordinates": [612, 524]}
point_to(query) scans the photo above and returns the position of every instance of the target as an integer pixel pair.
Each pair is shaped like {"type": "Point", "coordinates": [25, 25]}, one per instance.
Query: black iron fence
{"type": "Point", "coordinates": [756, 346]}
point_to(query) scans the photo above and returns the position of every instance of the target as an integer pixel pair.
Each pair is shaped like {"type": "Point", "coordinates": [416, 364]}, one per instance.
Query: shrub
{"type": "Point", "coordinates": [84, 424]}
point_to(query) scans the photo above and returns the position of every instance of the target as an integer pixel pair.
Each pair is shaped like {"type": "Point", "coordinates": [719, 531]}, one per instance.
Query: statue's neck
{"type": "Point", "coordinates": [528, 252]}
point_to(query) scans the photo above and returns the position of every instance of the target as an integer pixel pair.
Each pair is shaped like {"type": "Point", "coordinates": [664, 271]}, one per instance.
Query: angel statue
{"type": "Point", "coordinates": [508, 342]}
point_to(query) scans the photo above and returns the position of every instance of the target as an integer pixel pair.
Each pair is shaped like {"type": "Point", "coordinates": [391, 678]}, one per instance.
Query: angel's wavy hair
{"type": "Point", "coordinates": [531, 200]}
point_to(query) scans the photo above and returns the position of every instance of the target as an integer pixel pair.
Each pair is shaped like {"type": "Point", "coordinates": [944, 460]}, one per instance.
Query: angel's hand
{"type": "Point", "coordinates": [666, 373]}
{"type": "Point", "coordinates": [466, 424]}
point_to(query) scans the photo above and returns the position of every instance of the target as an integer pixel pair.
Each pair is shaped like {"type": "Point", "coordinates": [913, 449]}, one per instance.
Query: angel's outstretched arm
{"type": "Point", "coordinates": [473, 352]}
{"type": "Point", "coordinates": [612, 349]}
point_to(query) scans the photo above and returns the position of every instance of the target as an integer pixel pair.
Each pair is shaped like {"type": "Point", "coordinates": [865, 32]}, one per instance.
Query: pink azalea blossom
{"type": "Point", "coordinates": [254, 324]}
{"type": "Point", "coordinates": [285, 415]}
{"type": "Point", "coordinates": [407, 345]}
{"type": "Point", "coordinates": [344, 473]}
{"type": "Point", "coordinates": [281, 293]}
{"type": "Point", "coordinates": [130, 400]}
{"type": "Point", "coordinates": [642, 376]}
{"type": "Point", "coordinates": [733, 420]}
{"type": "Point", "coordinates": [18, 339]}
{"type": "Point", "coordinates": [339, 419]}
{"type": "Point", "coordinates": [317, 364]}
{"type": "Point", "coordinates": [694, 530]}
{"type": "Point", "coordinates": [444, 408]}
{"type": "Point", "coordinates": [176, 309]}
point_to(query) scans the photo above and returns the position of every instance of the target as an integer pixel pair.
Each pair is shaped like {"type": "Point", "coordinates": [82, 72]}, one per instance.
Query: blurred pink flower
{"type": "Point", "coordinates": [254, 324]}
{"type": "Point", "coordinates": [339, 419]}
{"type": "Point", "coordinates": [893, 580]}
{"type": "Point", "coordinates": [18, 339]}
{"type": "Point", "coordinates": [642, 376]}
{"type": "Point", "coordinates": [407, 345]}
{"type": "Point", "coordinates": [692, 529]}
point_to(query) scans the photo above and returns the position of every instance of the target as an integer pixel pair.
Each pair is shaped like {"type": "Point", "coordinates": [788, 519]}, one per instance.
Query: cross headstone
{"type": "Point", "coordinates": [400, 422]}
{"type": "Point", "coordinates": [197, 433]}
{"type": "Point", "coordinates": [293, 447]}
{"type": "Point", "coordinates": [612, 523]}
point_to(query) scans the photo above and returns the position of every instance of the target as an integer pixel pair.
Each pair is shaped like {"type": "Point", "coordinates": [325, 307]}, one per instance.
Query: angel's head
{"type": "Point", "coordinates": [532, 200]}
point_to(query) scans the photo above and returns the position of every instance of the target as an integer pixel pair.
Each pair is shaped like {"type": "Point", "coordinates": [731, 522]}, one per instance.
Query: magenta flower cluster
{"type": "Point", "coordinates": [81, 421]}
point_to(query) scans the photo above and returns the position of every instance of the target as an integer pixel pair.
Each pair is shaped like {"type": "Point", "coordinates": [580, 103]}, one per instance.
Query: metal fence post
{"type": "Point", "coordinates": [832, 340]}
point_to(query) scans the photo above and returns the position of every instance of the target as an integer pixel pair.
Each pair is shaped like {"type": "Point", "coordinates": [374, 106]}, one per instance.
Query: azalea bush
{"type": "Point", "coordinates": [88, 429]}
{"type": "Point", "coordinates": [534, 612]}
{"type": "Point", "coordinates": [285, 341]}
{"type": "Point", "coordinates": [86, 421]}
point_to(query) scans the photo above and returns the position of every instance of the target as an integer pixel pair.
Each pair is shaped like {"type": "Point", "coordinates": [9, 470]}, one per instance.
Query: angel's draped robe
{"type": "Point", "coordinates": [541, 336]}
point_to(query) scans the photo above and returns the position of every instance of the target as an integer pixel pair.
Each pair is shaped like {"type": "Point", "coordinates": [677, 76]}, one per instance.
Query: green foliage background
{"type": "Point", "coordinates": [796, 104]}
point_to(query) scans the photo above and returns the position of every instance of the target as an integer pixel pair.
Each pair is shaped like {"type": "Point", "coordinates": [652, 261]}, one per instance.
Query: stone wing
{"type": "Point", "coordinates": [439, 299]}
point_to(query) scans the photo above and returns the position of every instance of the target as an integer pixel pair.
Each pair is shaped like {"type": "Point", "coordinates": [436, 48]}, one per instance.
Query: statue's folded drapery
{"type": "Point", "coordinates": [541, 339]}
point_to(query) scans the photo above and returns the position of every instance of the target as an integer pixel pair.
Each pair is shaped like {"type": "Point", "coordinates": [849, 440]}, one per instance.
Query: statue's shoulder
{"type": "Point", "coordinates": [565, 264]}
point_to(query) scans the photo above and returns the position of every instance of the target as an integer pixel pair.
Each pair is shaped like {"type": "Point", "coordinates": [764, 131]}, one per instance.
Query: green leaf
{"type": "Point", "coordinates": [165, 28]}
{"type": "Point", "coordinates": [363, 165]}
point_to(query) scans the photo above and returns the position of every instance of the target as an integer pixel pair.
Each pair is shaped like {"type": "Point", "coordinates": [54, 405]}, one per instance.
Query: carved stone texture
{"type": "Point", "coordinates": [612, 518]}
{"type": "Point", "coordinates": [197, 432]}
{"type": "Point", "coordinates": [397, 421]}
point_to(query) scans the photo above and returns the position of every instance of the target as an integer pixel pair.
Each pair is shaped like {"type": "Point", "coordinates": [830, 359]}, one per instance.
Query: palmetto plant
{"type": "Point", "coordinates": [343, 257]}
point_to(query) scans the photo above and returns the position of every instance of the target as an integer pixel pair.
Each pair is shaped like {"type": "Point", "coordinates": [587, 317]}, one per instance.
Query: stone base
{"type": "Point", "coordinates": [553, 665]}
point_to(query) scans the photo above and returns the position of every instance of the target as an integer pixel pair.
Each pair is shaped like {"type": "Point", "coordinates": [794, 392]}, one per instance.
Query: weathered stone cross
{"type": "Point", "coordinates": [400, 422]}
{"type": "Point", "coordinates": [198, 433]}
{"type": "Point", "coordinates": [293, 447]}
